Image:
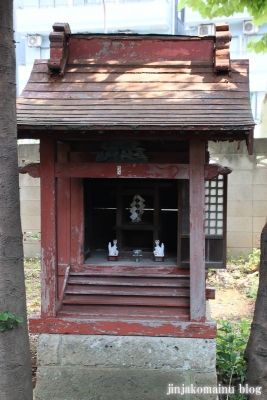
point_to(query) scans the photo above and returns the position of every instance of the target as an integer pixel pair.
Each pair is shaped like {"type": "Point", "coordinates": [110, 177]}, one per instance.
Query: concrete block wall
{"type": "Point", "coordinates": [247, 195]}
{"type": "Point", "coordinates": [247, 192]}
{"type": "Point", "coordinates": [30, 201]}
{"type": "Point", "coordinates": [91, 367]}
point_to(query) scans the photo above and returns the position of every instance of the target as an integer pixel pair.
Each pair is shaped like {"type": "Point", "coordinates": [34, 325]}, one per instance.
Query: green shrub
{"type": "Point", "coordinates": [242, 258]}
{"type": "Point", "coordinates": [254, 259]}
{"type": "Point", "coordinates": [231, 343]}
{"type": "Point", "coordinates": [252, 290]}
{"type": "Point", "coordinates": [250, 262]}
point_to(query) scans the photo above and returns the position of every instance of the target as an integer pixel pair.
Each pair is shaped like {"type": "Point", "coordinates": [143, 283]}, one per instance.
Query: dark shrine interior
{"type": "Point", "coordinates": [107, 204]}
{"type": "Point", "coordinates": [107, 215]}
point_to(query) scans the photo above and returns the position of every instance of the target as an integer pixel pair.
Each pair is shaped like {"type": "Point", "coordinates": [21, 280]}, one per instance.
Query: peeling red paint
{"type": "Point", "coordinates": [140, 50]}
{"type": "Point", "coordinates": [109, 170]}
{"type": "Point", "coordinates": [118, 327]}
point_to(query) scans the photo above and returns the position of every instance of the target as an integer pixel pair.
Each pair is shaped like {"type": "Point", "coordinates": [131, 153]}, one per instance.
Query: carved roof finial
{"type": "Point", "coordinates": [222, 48]}
{"type": "Point", "coordinates": [58, 48]}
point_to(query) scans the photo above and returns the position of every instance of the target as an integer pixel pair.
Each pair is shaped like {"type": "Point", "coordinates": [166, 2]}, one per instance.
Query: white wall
{"type": "Point", "coordinates": [144, 16]}
{"type": "Point", "coordinates": [257, 62]}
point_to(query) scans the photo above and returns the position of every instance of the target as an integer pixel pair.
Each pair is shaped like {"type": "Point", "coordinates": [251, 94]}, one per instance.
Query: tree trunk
{"type": "Point", "coordinates": [256, 350]}
{"type": "Point", "coordinates": [15, 364]}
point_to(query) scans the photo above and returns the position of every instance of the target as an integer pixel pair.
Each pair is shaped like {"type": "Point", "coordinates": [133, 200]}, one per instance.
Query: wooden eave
{"type": "Point", "coordinates": [117, 83]}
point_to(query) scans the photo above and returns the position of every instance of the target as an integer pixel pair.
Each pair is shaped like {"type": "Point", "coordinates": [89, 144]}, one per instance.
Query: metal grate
{"type": "Point", "coordinates": [214, 190]}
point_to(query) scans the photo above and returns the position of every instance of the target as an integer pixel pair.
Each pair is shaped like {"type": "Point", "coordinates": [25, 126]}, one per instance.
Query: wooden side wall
{"type": "Point", "coordinates": [197, 230]}
{"type": "Point", "coordinates": [48, 228]}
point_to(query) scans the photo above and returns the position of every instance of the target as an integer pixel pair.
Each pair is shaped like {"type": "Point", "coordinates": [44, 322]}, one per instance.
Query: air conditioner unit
{"type": "Point", "coordinates": [249, 28]}
{"type": "Point", "coordinates": [34, 40]}
{"type": "Point", "coordinates": [206, 30]}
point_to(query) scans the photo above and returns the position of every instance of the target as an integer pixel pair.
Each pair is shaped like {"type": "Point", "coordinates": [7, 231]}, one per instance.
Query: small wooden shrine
{"type": "Point", "coordinates": [120, 116]}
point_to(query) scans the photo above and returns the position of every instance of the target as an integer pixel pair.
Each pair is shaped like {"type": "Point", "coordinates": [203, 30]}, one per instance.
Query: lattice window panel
{"type": "Point", "coordinates": [214, 190]}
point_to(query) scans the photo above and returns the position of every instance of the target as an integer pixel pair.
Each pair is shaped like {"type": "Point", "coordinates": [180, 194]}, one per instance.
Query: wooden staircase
{"type": "Point", "coordinates": [134, 292]}
{"type": "Point", "coordinates": [124, 300]}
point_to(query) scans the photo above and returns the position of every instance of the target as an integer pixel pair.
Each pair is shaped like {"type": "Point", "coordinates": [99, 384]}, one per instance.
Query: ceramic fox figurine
{"type": "Point", "coordinates": [112, 250]}
{"type": "Point", "coordinates": [159, 250]}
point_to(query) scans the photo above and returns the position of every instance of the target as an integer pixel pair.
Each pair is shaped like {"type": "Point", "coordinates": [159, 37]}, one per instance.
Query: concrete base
{"type": "Point", "coordinates": [95, 367]}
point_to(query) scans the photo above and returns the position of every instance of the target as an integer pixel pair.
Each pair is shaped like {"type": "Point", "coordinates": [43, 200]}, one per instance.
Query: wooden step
{"type": "Point", "coordinates": [129, 281]}
{"type": "Point", "coordinates": [136, 270]}
{"type": "Point", "coordinates": [126, 291]}
{"type": "Point", "coordinates": [171, 314]}
{"type": "Point", "coordinates": [127, 300]}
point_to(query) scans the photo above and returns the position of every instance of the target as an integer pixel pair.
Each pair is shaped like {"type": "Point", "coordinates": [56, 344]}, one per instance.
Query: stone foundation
{"type": "Point", "coordinates": [98, 367]}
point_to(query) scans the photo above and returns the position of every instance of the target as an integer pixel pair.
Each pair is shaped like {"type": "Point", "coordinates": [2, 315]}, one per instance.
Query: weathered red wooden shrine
{"type": "Point", "coordinates": [120, 115]}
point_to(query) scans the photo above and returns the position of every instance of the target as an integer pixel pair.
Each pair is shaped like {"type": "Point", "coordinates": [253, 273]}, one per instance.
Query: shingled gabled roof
{"type": "Point", "coordinates": [138, 82]}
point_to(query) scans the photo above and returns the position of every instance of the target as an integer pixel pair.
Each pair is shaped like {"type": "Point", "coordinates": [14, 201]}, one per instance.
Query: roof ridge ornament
{"type": "Point", "coordinates": [222, 63]}
{"type": "Point", "coordinates": [58, 48]}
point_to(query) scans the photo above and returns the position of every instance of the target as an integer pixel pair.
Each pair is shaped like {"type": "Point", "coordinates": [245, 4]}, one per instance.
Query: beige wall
{"type": "Point", "coordinates": [29, 201]}
{"type": "Point", "coordinates": [247, 192]}
{"type": "Point", "coordinates": [247, 195]}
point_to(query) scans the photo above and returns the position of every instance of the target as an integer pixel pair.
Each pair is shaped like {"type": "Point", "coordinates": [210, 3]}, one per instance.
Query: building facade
{"type": "Point", "coordinates": [248, 183]}
{"type": "Point", "coordinates": [243, 31]}
{"type": "Point", "coordinates": [34, 19]}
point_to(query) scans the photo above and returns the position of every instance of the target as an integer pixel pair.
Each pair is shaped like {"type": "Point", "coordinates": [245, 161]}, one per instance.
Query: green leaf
{"type": "Point", "coordinates": [4, 316]}
{"type": "Point", "coordinates": [2, 327]}
{"type": "Point", "coordinates": [225, 8]}
{"type": "Point", "coordinates": [259, 46]}
{"type": "Point", "coordinates": [10, 324]}
{"type": "Point", "coordinates": [224, 356]}
{"type": "Point", "coordinates": [19, 319]}
{"type": "Point", "coordinates": [214, 9]}
{"type": "Point", "coordinates": [181, 5]}
{"type": "Point", "coordinates": [233, 357]}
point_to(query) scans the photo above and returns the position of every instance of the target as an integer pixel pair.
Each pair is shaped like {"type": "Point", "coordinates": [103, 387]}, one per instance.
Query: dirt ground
{"type": "Point", "coordinates": [235, 293]}
{"type": "Point", "coordinates": [230, 302]}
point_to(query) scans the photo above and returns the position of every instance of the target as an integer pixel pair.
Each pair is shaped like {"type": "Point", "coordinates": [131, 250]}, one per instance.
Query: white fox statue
{"type": "Point", "coordinates": [159, 250]}
{"type": "Point", "coordinates": [112, 250]}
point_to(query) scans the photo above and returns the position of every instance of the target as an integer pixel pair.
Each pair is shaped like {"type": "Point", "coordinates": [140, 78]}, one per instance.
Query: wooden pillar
{"type": "Point", "coordinates": [197, 230]}
{"type": "Point", "coordinates": [77, 222]}
{"type": "Point", "coordinates": [156, 213]}
{"type": "Point", "coordinates": [63, 223]}
{"type": "Point", "coordinates": [119, 218]}
{"type": "Point", "coordinates": [48, 228]}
